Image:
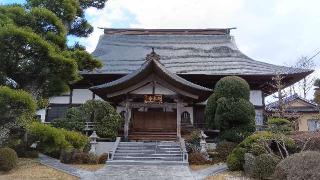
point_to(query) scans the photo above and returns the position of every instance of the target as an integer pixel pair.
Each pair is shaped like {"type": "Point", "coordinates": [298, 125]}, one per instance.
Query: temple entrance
{"type": "Point", "coordinates": [153, 124]}
{"type": "Point", "coordinates": [154, 120]}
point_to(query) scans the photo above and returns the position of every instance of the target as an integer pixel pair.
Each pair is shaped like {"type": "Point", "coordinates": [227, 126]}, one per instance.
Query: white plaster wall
{"type": "Point", "coordinates": [80, 96]}
{"type": "Point", "coordinates": [42, 113]}
{"type": "Point", "coordinates": [119, 109]}
{"type": "Point", "coordinates": [104, 147]}
{"type": "Point", "coordinates": [256, 97]}
{"type": "Point", "coordinates": [148, 89]}
{"type": "Point", "coordinates": [59, 100]}
{"type": "Point", "coordinates": [259, 117]}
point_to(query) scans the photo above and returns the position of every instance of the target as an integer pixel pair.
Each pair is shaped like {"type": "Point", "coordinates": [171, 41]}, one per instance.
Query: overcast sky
{"type": "Point", "coordinates": [273, 31]}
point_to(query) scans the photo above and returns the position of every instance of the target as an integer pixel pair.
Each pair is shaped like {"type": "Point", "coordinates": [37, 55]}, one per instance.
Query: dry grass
{"type": "Point", "coordinates": [199, 167]}
{"type": "Point", "coordinates": [31, 169]}
{"type": "Point", "coordinates": [89, 167]}
{"type": "Point", "coordinates": [229, 175]}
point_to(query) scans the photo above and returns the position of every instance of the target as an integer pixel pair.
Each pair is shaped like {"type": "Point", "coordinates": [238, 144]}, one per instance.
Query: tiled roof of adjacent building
{"type": "Point", "coordinates": [182, 51]}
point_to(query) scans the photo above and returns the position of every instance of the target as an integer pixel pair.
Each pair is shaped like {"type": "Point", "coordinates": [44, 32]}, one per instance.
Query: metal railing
{"type": "Point", "coordinates": [113, 151]}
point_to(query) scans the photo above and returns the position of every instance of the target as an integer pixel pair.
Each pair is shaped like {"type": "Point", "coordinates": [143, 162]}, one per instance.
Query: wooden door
{"type": "Point", "coordinates": [154, 120]}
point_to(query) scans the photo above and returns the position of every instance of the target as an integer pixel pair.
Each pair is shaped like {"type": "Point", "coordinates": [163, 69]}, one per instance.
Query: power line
{"type": "Point", "coordinates": [315, 55]}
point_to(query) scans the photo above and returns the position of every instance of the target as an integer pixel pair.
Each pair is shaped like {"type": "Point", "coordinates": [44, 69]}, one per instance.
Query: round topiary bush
{"type": "Point", "coordinates": [232, 87]}
{"type": "Point", "coordinates": [304, 165]}
{"type": "Point", "coordinates": [231, 112]}
{"type": "Point", "coordinates": [264, 166]}
{"type": "Point", "coordinates": [8, 159]}
{"type": "Point", "coordinates": [235, 160]}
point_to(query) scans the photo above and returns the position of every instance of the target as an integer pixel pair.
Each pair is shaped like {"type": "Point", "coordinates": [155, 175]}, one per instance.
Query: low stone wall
{"type": "Point", "coordinates": [103, 147]}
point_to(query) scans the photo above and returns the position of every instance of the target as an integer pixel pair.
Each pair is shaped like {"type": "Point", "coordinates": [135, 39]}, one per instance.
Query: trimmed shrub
{"type": "Point", "coordinates": [230, 110]}
{"type": "Point", "coordinates": [17, 109]}
{"type": "Point", "coordinates": [237, 134]}
{"type": "Point", "coordinates": [210, 112]}
{"type": "Point", "coordinates": [197, 158]}
{"type": "Point", "coordinates": [304, 165]}
{"type": "Point", "coordinates": [193, 141]}
{"type": "Point", "coordinates": [248, 166]}
{"type": "Point", "coordinates": [257, 149]}
{"type": "Point", "coordinates": [264, 166]}
{"type": "Point", "coordinates": [100, 112]}
{"type": "Point", "coordinates": [66, 156]}
{"type": "Point", "coordinates": [224, 148]}
{"type": "Point", "coordinates": [231, 113]}
{"type": "Point", "coordinates": [232, 87]}
{"type": "Point", "coordinates": [93, 159]}
{"type": "Point", "coordinates": [76, 139]}
{"type": "Point", "coordinates": [74, 121]}
{"type": "Point", "coordinates": [279, 125]}
{"type": "Point", "coordinates": [80, 158]}
{"type": "Point", "coordinates": [8, 159]}
{"type": "Point", "coordinates": [235, 160]}
{"type": "Point", "coordinates": [52, 140]}
{"type": "Point", "coordinates": [103, 158]}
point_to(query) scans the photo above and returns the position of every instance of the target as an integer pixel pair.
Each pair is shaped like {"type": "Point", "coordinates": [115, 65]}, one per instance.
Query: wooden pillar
{"type": "Point", "coordinates": [179, 106]}
{"type": "Point", "coordinates": [127, 120]}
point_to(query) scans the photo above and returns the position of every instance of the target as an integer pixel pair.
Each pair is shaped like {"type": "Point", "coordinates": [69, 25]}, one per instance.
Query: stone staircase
{"type": "Point", "coordinates": [159, 152]}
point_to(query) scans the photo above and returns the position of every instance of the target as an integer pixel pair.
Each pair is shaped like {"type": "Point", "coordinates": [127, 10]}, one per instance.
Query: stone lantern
{"type": "Point", "coordinates": [203, 145]}
{"type": "Point", "coordinates": [93, 142]}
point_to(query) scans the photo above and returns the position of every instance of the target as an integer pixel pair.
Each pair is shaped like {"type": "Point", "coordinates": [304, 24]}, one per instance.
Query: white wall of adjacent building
{"type": "Point", "coordinates": [256, 97]}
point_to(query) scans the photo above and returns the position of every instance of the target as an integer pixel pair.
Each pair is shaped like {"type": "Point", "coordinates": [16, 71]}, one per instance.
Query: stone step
{"type": "Point", "coordinates": [147, 155]}
{"type": "Point", "coordinates": [149, 158]}
{"type": "Point", "coordinates": [156, 162]}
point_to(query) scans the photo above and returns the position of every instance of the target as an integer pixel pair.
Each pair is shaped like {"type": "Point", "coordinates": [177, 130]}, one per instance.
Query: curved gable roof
{"type": "Point", "coordinates": [150, 66]}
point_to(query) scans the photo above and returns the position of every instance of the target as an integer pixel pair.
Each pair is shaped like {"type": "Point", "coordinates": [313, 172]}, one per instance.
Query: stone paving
{"type": "Point", "coordinates": [56, 164]}
{"type": "Point", "coordinates": [142, 172]}
{"type": "Point", "coordinates": [135, 172]}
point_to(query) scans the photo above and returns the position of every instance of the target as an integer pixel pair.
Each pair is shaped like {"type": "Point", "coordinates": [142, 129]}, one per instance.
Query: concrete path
{"type": "Point", "coordinates": [210, 171]}
{"type": "Point", "coordinates": [56, 164]}
{"type": "Point", "coordinates": [142, 172]}
{"type": "Point", "coordinates": [135, 172]}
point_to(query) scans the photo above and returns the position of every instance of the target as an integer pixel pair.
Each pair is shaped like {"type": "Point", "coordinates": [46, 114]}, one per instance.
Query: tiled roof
{"type": "Point", "coordinates": [151, 65]}
{"type": "Point", "coordinates": [275, 105]}
{"type": "Point", "coordinates": [182, 52]}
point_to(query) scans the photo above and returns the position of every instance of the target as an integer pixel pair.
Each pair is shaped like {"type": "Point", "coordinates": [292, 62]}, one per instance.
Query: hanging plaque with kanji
{"type": "Point", "coordinates": [153, 99]}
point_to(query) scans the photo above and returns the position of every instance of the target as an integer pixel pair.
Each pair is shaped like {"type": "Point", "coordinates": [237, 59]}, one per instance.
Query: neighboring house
{"type": "Point", "coordinates": [303, 111]}
{"type": "Point", "coordinates": [165, 90]}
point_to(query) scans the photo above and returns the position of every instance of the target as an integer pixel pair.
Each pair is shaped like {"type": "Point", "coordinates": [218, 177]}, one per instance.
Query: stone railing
{"type": "Point", "coordinates": [183, 149]}
{"type": "Point", "coordinates": [113, 151]}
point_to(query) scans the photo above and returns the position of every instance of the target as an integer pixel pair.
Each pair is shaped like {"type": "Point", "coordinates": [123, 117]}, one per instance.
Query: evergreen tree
{"type": "Point", "coordinates": [34, 53]}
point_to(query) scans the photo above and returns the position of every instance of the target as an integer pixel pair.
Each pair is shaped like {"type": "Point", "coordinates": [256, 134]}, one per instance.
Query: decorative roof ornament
{"type": "Point", "coordinates": [153, 56]}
